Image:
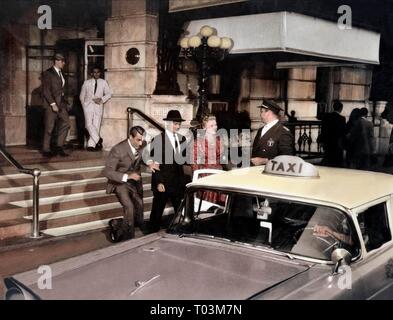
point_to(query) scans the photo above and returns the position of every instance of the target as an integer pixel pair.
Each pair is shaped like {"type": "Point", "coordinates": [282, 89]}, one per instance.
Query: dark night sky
{"type": "Point", "coordinates": [82, 13]}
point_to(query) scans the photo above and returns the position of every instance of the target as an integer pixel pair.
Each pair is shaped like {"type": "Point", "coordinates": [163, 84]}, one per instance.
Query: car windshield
{"type": "Point", "coordinates": [292, 227]}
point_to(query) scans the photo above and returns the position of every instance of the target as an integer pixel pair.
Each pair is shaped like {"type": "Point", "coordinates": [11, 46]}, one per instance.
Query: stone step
{"type": "Point", "coordinates": [56, 184]}
{"type": "Point", "coordinates": [95, 225]}
{"type": "Point", "coordinates": [68, 225]}
{"type": "Point", "coordinates": [76, 187]}
{"type": "Point", "coordinates": [15, 193]}
{"type": "Point", "coordinates": [72, 193]}
{"type": "Point", "coordinates": [22, 226]}
{"type": "Point", "coordinates": [47, 177]}
{"type": "Point", "coordinates": [58, 163]}
{"type": "Point", "coordinates": [21, 179]}
{"type": "Point", "coordinates": [84, 210]}
{"type": "Point", "coordinates": [18, 209]}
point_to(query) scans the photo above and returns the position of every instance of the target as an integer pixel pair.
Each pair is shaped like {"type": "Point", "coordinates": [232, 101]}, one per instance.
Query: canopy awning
{"type": "Point", "coordinates": [295, 33]}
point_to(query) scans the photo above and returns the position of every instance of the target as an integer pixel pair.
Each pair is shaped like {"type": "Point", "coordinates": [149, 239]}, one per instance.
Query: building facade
{"type": "Point", "coordinates": [304, 54]}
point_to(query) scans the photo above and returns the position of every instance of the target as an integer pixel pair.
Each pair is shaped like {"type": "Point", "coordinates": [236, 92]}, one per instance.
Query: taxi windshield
{"type": "Point", "coordinates": [292, 227]}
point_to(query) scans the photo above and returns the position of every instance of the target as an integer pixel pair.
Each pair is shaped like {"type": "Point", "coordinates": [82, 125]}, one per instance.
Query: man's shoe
{"type": "Point", "coordinates": [129, 232]}
{"type": "Point", "coordinates": [47, 154]}
{"type": "Point", "coordinates": [99, 144]}
{"type": "Point", "coordinates": [115, 230]}
{"type": "Point", "coordinates": [61, 153]}
{"type": "Point", "coordinates": [91, 149]}
{"type": "Point", "coordinates": [145, 230]}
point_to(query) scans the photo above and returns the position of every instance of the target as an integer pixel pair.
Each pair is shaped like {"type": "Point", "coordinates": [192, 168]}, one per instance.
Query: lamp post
{"type": "Point", "coordinates": [205, 49]}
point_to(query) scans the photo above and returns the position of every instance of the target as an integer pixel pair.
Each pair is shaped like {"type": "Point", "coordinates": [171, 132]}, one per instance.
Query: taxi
{"type": "Point", "coordinates": [286, 230]}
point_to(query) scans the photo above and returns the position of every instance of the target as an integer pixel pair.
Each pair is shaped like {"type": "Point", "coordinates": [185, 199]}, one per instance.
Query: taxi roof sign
{"type": "Point", "coordinates": [291, 166]}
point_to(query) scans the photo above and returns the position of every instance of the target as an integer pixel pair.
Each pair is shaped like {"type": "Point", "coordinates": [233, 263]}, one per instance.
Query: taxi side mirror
{"type": "Point", "coordinates": [340, 257]}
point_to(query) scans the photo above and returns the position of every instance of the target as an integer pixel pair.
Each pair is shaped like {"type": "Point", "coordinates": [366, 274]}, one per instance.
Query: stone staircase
{"type": "Point", "coordinates": [72, 200]}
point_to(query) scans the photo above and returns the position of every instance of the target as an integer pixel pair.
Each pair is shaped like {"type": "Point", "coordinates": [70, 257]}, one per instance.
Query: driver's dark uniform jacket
{"type": "Point", "coordinates": [277, 141]}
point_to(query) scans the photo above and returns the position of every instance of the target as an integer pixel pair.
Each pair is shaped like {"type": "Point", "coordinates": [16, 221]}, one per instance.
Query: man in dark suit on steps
{"type": "Point", "coordinates": [273, 139]}
{"type": "Point", "coordinates": [168, 149]}
{"type": "Point", "coordinates": [123, 170]}
{"type": "Point", "coordinates": [56, 107]}
{"type": "Point", "coordinates": [332, 136]}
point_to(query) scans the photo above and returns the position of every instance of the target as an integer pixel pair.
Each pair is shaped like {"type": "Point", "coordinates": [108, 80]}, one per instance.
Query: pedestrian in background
{"type": "Point", "coordinates": [94, 94]}
{"type": "Point", "coordinates": [56, 108]}
{"type": "Point", "coordinates": [332, 137]}
{"type": "Point", "coordinates": [362, 141]}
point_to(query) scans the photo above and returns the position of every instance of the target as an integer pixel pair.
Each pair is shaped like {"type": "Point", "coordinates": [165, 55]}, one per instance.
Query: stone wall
{"type": "Point", "coordinates": [352, 87]}
{"type": "Point", "coordinates": [260, 82]}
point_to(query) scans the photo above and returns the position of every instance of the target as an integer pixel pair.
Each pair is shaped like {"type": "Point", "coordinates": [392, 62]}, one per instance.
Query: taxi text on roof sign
{"type": "Point", "coordinates": [290, 166]}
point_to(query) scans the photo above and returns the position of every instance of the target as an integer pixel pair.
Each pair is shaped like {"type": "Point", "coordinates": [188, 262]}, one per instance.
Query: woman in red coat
{"type": "Point", "coordinates": [208, 153]}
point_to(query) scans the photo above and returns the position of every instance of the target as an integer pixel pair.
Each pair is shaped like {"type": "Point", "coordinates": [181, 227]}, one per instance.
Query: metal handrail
{"type": "Point", "coordinates": [131, 111]}
{"type": "Point", "coordinates": [35, 232]}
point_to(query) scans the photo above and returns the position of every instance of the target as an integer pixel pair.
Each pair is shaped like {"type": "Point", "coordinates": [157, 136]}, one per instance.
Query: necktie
{"type": "Point", "coordinates": [95, 87]}
{"type": "Point", "coordinates": [136, 154]}
{"type": "Point", "coordinates": [61, 77]}
{"type": "Point", "coordinates": [176, 144]}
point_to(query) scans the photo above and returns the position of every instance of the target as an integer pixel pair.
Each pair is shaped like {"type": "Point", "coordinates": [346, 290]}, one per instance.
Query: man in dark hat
{"type": "Point", "coordinates": [56, 107]}
{"type": "Point", "coordinates": [168, 149]}
{"type": "Point", "coordinates": [273, 139]}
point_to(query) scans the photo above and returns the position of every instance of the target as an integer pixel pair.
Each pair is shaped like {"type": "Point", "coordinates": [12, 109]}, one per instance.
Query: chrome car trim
{"type": "Point", "coordinates": [140, 284]}
{"type": "Point", "coordinates": [255, 247]}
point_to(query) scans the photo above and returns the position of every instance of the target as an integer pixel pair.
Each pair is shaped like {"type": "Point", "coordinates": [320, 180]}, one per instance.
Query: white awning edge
{"type": "Point", "coordinates": [296, 33]}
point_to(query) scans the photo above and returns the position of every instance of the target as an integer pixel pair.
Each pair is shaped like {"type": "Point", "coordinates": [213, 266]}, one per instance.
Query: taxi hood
{"type": "Point", "coordinates": [175, 268]}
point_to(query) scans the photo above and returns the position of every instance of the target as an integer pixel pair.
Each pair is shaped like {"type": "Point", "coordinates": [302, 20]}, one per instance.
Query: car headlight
{"type": "Point", "coordinates": [17, 291]}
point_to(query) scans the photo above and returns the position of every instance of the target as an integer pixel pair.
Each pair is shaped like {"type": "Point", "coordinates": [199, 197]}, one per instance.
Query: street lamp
{"type": "Point", "coordinates": [205, 49]}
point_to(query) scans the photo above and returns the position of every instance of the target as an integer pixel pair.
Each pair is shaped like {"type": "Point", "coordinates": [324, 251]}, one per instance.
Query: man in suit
{"type": "Point", "coordinates": [94, 93]}
{"type": "Point", "coordinates": [123, 170]}
{"type": "Point", "coordinates": [273, 139]}
{"type": "Point", "coordinates": [362, 141]}
{"type": "Point", "coordinates": [168, 149]}
{"type": "Point", "coordinates": [56, 108]}
{"type": "Point", "coordinates": [332, 136]}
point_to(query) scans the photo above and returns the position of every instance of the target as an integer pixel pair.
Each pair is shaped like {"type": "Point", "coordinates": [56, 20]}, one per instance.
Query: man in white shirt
{"type": "Point", "coordinates": [94, 94]}
{"type": "Point", "coordinates": [123, 170]}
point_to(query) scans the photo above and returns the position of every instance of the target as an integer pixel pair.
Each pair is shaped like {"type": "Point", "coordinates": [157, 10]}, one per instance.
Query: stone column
{"type": "Point", "coordinates": [3, 86]}
{"type": "Point", "coordinates": [301, 92]}
{"type": "Point", "coordinates": [130, 26]}
{"type": "Point", "coordinates": [13, 89]}
{"type": "Point", "coordinates": [382, 128]}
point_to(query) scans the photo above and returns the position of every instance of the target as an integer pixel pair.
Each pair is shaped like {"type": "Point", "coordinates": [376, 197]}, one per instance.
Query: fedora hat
{"type": "Point", "coordinates": [173, 115]}
{"type": "Point", "coordinates": [270, 105]}
{"type": "Point", "coordinates": [58, 56]}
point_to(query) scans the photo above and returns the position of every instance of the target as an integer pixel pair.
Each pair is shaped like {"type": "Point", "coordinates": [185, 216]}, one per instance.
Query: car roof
{"type": "Point", "coordinates": [346, 187]}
